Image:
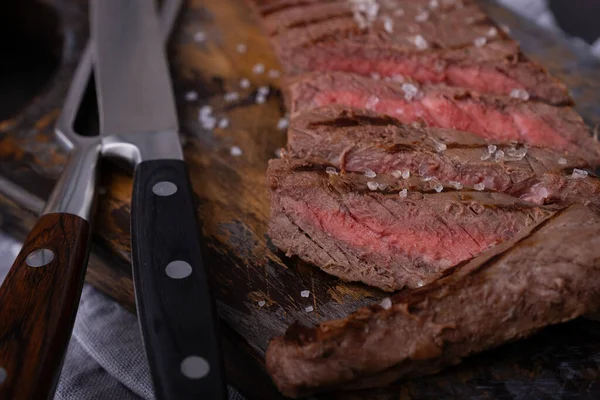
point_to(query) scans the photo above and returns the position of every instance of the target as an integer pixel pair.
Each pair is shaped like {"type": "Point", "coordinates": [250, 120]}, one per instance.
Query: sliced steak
{"type": "Point", "coordinates": [357, 140]}
{"type": "Point", "coordinates": [360, 228]}
{"type": "Point", "coordinates": [406, 25]}
{"type": "Point", "coordinates": [547, 275]}
{"type": "Point", "coordinates": [500, 119]}
{"type": "Point", "coordinates": [498, 68]}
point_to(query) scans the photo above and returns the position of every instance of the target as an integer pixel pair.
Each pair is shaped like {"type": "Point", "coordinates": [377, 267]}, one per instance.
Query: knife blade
{"type": "Point", "coordinates": [40, 295]}
{"type": "Point", "coordinates": [138, 122]}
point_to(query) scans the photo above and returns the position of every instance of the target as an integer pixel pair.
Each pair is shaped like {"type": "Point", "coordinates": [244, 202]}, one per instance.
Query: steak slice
{"type": "Point", "coordinates": [407, 25]}
{"type": "Point", "coordinates": [547, 275]}
{"type": "Point", "coordinates": [357, 140]}
{"type": "Point", "coordinates": [360, 229]}
{"type": "Point", "coordinates": [497, 68]}
{"type": "Point", "coordinates": [501, 119]}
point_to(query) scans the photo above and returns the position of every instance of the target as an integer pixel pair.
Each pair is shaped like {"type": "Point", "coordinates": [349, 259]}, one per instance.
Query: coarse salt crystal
{"type": "Point", "coordinates": [372, 185]}
{"type": "Point", "coordinates": [273, 73]}
{"type": "Point", "coordinates": [305, 293]}
{"type": "Point", "coordinates": [241, 48]}
{"type": "Point", "coordinates": [522, 152]}
{"type": "Point", "coordinates": [579, 173]}
{"type": "Point", "coordinates": [480, 41]}
{"type": "Point", "coordinates": [410, 91]}
{"type": "Point", "coordinates": [386, 303]}
{"type": "Point", "coordinates": [479, 186]}
{"type": "Point", "coordinates": [208, 122]}
{"type": "Point", "coordinates": [199, 37]}
{"type": "Point", "coordinates": [492, 32]}
{"type": "Point", "coordinates": [456, 185]}
{"type": "Point", "coordinates": [519, 94]}
{"type": "Point", "coordinates": [499, 155]}
{"type": "Point", "coordinates": [191, 95]}
{"type": "Point", "coordinates": [309, 309]}
{"type": "Point", "coordinates": [403, 193]}
{"type": "Point", "coordinates": [422, 16]}
{"type": "Point", "coordinates": [244, 83]}
{"type": "Point", "coordinates": [223, 123]}
{"type": "Point", "coordinates": [420, 42]}
{"type": "Point", "coordinates": [371, 102]}
{"type": "Point", "coordinates": [231, 96]}
{"type": "Point", "coordinates": [406, 174]}
{"type": "Point", "coordinates": [369, 173]}
{"type": "Point", "coordinates": [260, 99]}
{"type": "Point", "coordinates": [382, 186]}
{"type": "Point", "coordinates": [438, 187]}
{"type": "Point", "coordinates": [439, 146]}
{"type": "Point", "coordinates": [258, 69]}
{"type": "Point", "coordinates": [205, 110]}
{"type": "Point", "coordinates": [263, 90]}
{"type": "Point", "coordinates": [433, 4]}
{"type": "Point", "coordinates": [331, 171]}
{"type": "Point", "coordinates": [235, 151]}
{"type": "Point", "coordinates": [492, 148]}
{"type": "Point", "coordinates": [397, 174]}
{"type": "Point", "coordinates": [262, 303]}
{"type": "Point", "coordinates": [562, 161]}
{"type": "Point", "coordinates": [486, 157]}
{"type": "Point", "coordinates": [388, 24]}
{"type": "Point", "coordinates": [283, 123]}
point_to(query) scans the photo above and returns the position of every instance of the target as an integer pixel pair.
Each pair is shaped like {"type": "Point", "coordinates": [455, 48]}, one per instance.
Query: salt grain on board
{"type": "Point", "coordinates": [258, 69]}
{"type": "Point", "coordinates": [305, 293]}
{"type": "Point", "coordinates": [244, 83]}
{"type": "Point", "coordinates": [372, 185]}
{"type": "Point", "coordinates": [262, 303]}
{"type": "Point", "coordinates": [231, 96]}
{"type": "Point", "coordinates": [241, 48]}
{"type": "Point", "coordinates": [199, 37]}
{"type": "Point", "coordinates": [403, 193]}
{"type": "Point", "coordinates": [397, 174]}
{"type": "Point", "coordinates": [492, 148]}
{"type": "Point", "coordinates": [309, 309]}
{"type": "Point", "coordinates": [386, 303]}
{"type": "Point", "coordinates": [499, 155]}
{"type": "Point", "coordinates": [191, 95]}
{"type": "Point", "coordinates": [406, 174]}
{"type": "Point", "coordinates": [479, 186]}
{"type": "Point", "coordinates": [223, 123]}
{"type": "Point", "coordinates": [438, 187]}
{"type": "Point", "coordinates": [235, 151]}
{"type": "Point", "coordinates": [283, 123]}
{"type": "Point", "coordinates": [369, 173]}
{"type": "Point", "coordinates": [562, 161]}
{"type": "Point", "coordinates": [264, 90]}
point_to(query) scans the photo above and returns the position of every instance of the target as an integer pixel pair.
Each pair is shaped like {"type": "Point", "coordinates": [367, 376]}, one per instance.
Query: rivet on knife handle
{"type": "Point", "coordinates": [174, 303]}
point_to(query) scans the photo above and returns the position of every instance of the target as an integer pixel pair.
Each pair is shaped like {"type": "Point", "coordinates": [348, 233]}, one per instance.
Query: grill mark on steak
{"type": "Point", "coordinates": [499, 118]}
{"type": "Point", "coordinates": [485, 303]}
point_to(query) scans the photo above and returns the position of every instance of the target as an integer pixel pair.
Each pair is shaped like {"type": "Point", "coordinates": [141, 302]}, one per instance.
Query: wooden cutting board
{"type": "Point", "coordinates": [257, 287]}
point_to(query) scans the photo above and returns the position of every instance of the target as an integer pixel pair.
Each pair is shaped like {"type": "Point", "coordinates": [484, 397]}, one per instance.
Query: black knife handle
{"type": "Point", "coordinates": [38, 303]}
{"type": "Point", "coordinates": [175, 306]}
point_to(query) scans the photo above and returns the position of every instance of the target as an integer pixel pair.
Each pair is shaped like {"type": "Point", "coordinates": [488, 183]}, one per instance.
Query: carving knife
{"type": "Point", "coordinates": [138, 123]}
{"type": "Point", "coordinates": [40, 295]}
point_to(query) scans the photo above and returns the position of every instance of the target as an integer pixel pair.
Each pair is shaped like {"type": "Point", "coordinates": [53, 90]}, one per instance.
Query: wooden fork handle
{"type": "Point", "coordinates": [38, 303]}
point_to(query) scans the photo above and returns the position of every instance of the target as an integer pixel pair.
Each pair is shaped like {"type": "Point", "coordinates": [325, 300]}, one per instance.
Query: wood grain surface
{"type": "Point", "coordinates": [257, 287]}
{"type": "Point", "coordinates": [38, 306]}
